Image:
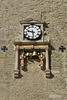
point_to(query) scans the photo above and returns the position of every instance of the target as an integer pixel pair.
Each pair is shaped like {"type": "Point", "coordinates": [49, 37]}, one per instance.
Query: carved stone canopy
{"type": "Point", "coordinates": [28, 21]}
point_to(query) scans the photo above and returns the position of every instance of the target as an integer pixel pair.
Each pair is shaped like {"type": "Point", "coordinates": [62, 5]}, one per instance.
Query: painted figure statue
{"type": "Point", "coordinates": [41, 57]}
{"type": "Point", "coordinates": [22, 57]}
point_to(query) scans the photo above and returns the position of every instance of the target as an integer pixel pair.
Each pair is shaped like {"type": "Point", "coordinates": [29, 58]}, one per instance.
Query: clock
{"type": "Point", "coordinates": [32, 32]}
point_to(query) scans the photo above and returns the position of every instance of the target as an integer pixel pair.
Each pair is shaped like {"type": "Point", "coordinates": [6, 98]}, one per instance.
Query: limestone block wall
{"type": "Point", "coordinates": [33, 84]}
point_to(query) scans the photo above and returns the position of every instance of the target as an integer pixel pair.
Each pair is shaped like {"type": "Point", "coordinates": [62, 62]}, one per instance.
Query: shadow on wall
{"type": "Point", "coordinates": [45, 25]}
{"type": "Point", "coordinates": [52, 48]}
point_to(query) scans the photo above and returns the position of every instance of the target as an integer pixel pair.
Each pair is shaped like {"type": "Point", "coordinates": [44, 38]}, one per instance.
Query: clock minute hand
{"type": "Point", "coordinates": [33, 33]}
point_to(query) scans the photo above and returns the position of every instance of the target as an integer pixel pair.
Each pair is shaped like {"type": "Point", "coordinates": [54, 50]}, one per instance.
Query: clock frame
{"type": "Point", "coordinates": [25, 23]}
{"type": "Point", "coordinates": [32, 32]}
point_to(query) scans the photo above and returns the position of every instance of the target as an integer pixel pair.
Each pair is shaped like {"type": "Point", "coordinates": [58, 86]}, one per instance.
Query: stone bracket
{"type": "Point", "coordinates": [48, 73]}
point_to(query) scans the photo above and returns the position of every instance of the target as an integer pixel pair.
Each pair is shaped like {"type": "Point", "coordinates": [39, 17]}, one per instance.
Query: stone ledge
{"type": "Point", "coordinates": [31, 43]}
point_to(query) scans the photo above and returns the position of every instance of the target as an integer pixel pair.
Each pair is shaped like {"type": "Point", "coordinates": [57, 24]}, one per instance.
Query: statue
{"type": "Point", "coordinates": [41, 57]}
{"type": "Point", "coordinates": [22, 57]}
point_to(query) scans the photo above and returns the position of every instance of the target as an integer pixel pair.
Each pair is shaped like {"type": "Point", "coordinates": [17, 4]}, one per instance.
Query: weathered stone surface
{"type": "Point", "coordinates": [53, 96]}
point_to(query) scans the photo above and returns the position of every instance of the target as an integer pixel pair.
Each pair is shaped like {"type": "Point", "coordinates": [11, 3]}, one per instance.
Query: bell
{"type": "Point", "coordinates": [34, 55]}
{"type": "Point", "coordinates": [27, 54]}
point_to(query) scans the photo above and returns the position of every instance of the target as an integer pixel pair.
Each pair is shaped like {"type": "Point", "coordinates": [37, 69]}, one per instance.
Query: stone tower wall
{"type": "Point", "coordinates": [33, 85]}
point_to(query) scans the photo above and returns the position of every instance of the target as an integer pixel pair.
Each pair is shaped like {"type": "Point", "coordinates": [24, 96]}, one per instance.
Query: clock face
{"type": "Point", "coordinates": [32, 32]}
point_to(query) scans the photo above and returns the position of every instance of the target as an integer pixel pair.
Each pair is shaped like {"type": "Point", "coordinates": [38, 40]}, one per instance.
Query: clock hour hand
{"type": "Point", "coordinates": [29, 31]}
